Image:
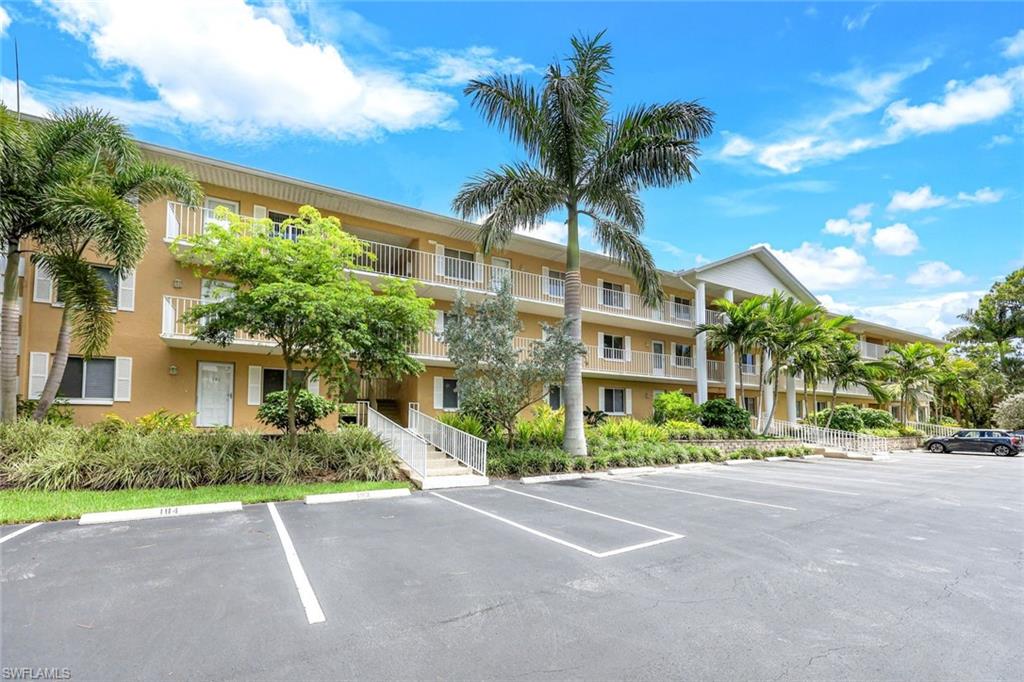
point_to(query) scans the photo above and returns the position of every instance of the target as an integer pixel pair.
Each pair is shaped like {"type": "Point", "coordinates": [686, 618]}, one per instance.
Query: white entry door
{"type": "Point", "coordinates": [658, 358]}
{"type": "Point", "coordinates": [214, 404]}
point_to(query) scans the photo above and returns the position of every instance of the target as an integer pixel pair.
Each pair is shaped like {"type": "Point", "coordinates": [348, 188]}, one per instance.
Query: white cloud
{"type": "Point", "coordinates": [918, 200]}
{"type": "Point", "coordinates": [983, 99]}
{"type": "Point", "coordinates": [847, 228]}
{"type": "Point", "coordinates": [860, 211]}
{"type": "Point", "coordinates": [933, 315]}
{"type": "Point", "coordinates": [1013, 46]}
{"type": "Point", "coordinates": [5, 21]}
{"type": "Point", "coordinates": [30, 102]}
{"type": "Point", "coordinates": [754, 201]}
{"type": "Point", "coordinates": [999, 141]}
{"type": "Point", "coordinates": [736, 145]}
{"type": "Point", "coordinates": [933, 274]}
{"type": "Point", "coordinates": [985, 195]}
{"type": "Point", "coordinates": [458, 68]}
{"type": "Point", "coordinates": [824, 269]}
{"type": "Point", "coordinates": [896, 240]}
{"type": "Point", "coordinates": [857, 22]}
{"type": "Point", "coordinates": [238, 73]}
{"type": "Point", "coordinates": [550, 231]}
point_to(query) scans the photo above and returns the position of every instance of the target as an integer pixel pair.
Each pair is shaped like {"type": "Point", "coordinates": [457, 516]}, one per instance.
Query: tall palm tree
{"type": "Point", "coordinates": [34, 157]}
{"type": "Point", "coordinates": [740, 329]}
{"type": "Point", "coordinates": [581, 162]}
{"type": "Point", "coordinates": [912, 368]}
{"type": "Point", "coordinates": [845, 368]}
{"type": "Point", "coordinates": [93, 207]}
{"type": "Point", "coordinates": [992, 324]}
{"type": "Point", "coordinates": [811, 361]}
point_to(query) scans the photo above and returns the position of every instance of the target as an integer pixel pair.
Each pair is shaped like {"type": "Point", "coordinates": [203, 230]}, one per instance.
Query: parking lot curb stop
{"type": "Point", "coordinates": [326, 498]}
{"type": "Point", "coordinates": [158, 512]}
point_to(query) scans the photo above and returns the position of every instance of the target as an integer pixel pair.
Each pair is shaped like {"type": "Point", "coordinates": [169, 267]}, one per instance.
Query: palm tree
{"type": "Point", "coordinates": [740, 329]}
{"type": "Point", "coordinates": [34, 157]}
{"type": "Point", "coordinates": [845, 368]}
{"type": "Point", "coordinates": [912, 368]}
{"type": "Point", "coordinates": [582, 163]}
{"type": "Point", "coordinates": [92, 207]}
{"type": "Point", "coordinates": [812, 363]}
{"type": "Point", "coordinates": [992, 324]}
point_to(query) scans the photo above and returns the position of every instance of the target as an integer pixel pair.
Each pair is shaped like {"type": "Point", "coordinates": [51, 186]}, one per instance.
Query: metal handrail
{"type": "Point", "coordinates": [934, 429]}
{"type": "Point", "coordinates": [409, 447]}
{"type": "Point", "coordinates": [818, 435]}
{"type": "Point", "coordinates": [175, 307]}
{"type": "Point", "coordinates": [462, 446]}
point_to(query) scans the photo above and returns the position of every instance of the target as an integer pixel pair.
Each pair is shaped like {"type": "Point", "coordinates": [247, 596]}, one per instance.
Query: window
{"type": "Point", "coordinates": [613, 294]}
{"type": "Point", "coordinates": [682, 355]}
{"type": "Point", "coordinates": [112, 281]}
{"type": "Point", "coordinates": [450, 394]}
{"type": "Point", "coordinates": [213, 290]}
{"type": "Point", "coordinates": [556, 283]}
{"type": "Point", "coordinates": [613, 347]}
{"type": "Point", "coordinates": [749, 404]}
{"type": "Point", "coordinates": [88, 379]}
{"type": "Point", "coordinates": [820, 406]}
{"type": "Point", "coordinates": [555, 397]}
{"type": "Point", "coordinates": [273, 380]}
{"type": "Point", "coordinates": [615, 400]}
{"type": "Point", "coordinates": [681, 308]}
{"type": "Point", "coordinates": [213, 203]}
{"type": "Point", "coordinates": [289, 232]}
{"type": "Point", "coordinates": [800, 409]}
{"type": "Point", "coordinates": [459, 264]}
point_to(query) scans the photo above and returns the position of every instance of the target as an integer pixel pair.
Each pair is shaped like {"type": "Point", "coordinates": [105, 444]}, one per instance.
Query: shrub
{"type": "Point", "coordinates": [877, 419]}
{"type": "Point", "coordinates": [463, 422]}
{"type": "Point", "coordinates": [163, 420]}
{"type": "Point", "coordinates": [883, 432]}
{"type": "Point", "coordinates": [60, 411]}
{"type": "Point", "coordinates": [631, 430]}
{"type": "Point", "coordinates": [309, 409]}
{"type": "Point", "coordinates": [545, 430]}
{"type": "Point", "coordinates": [947, 421]}
{"type": "Point", "coordinates": [846, 418]}
{"type": "Point", "coordinates": [1009, 413]}
{"type": "Point", "coordinates": [725, 414]}
{"type": "Point", "coordinates": [594, 417]}
{"type": "Point", "coordinates": [674, 406]}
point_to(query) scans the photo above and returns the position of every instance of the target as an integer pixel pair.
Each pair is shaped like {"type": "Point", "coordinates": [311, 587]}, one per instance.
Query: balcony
{"type": "Point", "coordinates": [441, 276]}
{"type": "Point", "coordinates": [873, 351]}
{"type": "Point", "coordinates": [716, 372]}
{"type": "Point", "coordinates": [178, 334]}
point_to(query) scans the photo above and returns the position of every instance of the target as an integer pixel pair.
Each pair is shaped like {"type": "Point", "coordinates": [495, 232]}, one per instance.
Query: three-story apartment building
{"type": "Point", "coordinates": [633, 351]}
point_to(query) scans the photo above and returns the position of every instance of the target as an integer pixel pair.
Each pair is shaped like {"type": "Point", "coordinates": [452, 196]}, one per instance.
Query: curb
{"type": "Point", "coordinates": [631, 471]}
{"type": "Point", "coordinates": [548, 478]}
{"type": "Point", "coordinates": [596, 476]}
{"type": "Point", "coordinates": [780, 458]}
{"type": "Point", "coordinates": [745, 460]}
{"type": "Point", "coordinates": [158, 512]}
{"type": "Point", "coordinates": [326, 498]}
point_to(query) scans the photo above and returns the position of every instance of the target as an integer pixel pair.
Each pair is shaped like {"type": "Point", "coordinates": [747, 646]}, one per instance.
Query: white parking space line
{"type": "Point", "coordinates": [588, 511]}
{"type": "Point", "coordinates": [733, 477]}
{"type": "Point", "coordinates": [19, 532]}
{"type": "Point", "coordinates": [669, 536]}
{"type": "Point", "coordinates": [694, 492]}
{"type": "Point", "coordinates": [314, 614]}
{"type": "Point", "coordinates": [788, 472]}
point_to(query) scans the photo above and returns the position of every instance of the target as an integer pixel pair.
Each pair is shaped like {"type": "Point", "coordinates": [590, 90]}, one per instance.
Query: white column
{"type": "Point", "coordinates": [702, 348]}
{"type": "Point", "coordinates": [730, 361]}
{"type": "Point", "coordinates": [790, 398]}
{"type": "Point", "coordinates": [766, 388]}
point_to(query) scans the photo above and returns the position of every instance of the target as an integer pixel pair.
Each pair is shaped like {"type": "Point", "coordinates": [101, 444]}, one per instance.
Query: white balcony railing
{"type": "Point", "coordinates": [172, 325]}
{"type": "Point", "coordinates": [185, 221]}
{"type": "Point", "coordinates": [873, 351]}
{"type": "Point", "coordinates": [714, 316]}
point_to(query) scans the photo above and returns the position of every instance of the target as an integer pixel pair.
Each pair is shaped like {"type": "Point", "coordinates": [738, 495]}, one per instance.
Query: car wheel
{"type": "Point", "coordinates": [937, 447]}
{"type": "Point", "coordinates": [1001, 450]}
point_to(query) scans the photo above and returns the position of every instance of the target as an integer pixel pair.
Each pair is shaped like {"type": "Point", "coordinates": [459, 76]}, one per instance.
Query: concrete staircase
{"type": "Point", "coordinates": [443, 472]}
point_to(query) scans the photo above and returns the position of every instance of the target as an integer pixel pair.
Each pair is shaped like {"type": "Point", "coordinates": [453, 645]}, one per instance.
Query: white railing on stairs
{"type": "Point", "coordinates": [455, 443]}
{"type": "Point", "coordinates": [409, 447]}
{"type": "Point", "coordinates": [934, 429]}
{"type": "Point", "coordinates": [830, 438]}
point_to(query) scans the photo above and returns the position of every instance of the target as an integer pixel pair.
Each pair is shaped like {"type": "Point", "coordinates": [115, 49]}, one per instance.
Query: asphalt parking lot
{"type": "Point", "coordinates": [908, 569]}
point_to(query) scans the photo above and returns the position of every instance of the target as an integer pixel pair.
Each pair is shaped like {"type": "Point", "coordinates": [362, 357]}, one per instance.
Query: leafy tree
{"type": "Point", "coordinates": [847, 369]}
{"type": "Point", "coordinates": [38, 160]}
{"type": "Point", "coordinates": [300, 293]}
{"type": "Point", "coordinates": [675, 406]}
{"type": "Point", "coordinates": [497, 377]}
{"type": "Point", "coordinates": [1009, 413]}
{"type": "Point", "coordinates": [580, 162]}
{"type": "Point", "coordinates": [998, 323]}
{"type": "Point", "coordinates": [309, 409]}
{"type": "Point", "coordinates": [842, 417]}
{"type": "Point", "coordinates": [742, 327]}
{"type": "Point", "coordinates": [94, 211]}
{"type": "Point", "coordinates": [911, 368]}
{"type": "Point", "coordinates": [723, 413]}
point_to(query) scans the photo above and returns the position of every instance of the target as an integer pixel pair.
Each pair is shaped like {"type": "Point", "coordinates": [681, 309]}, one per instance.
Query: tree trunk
{"type": "Point", "coordinates": [9, 337]}
{"type": "Point", "coordinates": [57, 365]}
{"type": "Point", "coordinates": [832, 411]}
{"type": "Point", "coordinates": [775, 401]}
{"type": "Point", "coordinates": [293, 437]}
{"type": "Point", "coordinates": [575, 441]}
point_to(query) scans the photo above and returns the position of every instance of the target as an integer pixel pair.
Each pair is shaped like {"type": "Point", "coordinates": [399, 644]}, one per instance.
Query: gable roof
{"type": "Point", "coordinates": [767, 259]}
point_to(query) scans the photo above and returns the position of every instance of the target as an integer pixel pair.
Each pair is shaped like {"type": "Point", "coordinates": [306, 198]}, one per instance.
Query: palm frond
{"type": "Point", "coordinates": [151, 180]}
{"type": "Point", "coordinates": [510, 104]}
{"type": "Point", "coordinates": [87, 299]}
{"type": "Point", "coordinates": [624, 245]}
{"type": "Point", "coordinates": [77, 132]}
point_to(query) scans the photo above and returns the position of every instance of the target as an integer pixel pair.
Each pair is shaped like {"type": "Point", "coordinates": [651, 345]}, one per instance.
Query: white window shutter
{"type": "Point", "coordinates": [439, 321]}
{"type": "Point", "coordinates": [478, 266]}
{"type": "Point", "coordinates": [254, 395]}
{"type": "Point", "coordinates": [439, 260]}
{"type": "Point", "coordinates": [122, 379]}
{"type": "Point", "coordinates": [42, 287]}
{"type": "Point", "coordinates": [600, 284]}
{"type": "Point", "coordinates": [38, 369]}
{"type": "Point", "coordinates": [313, 384]}
{"type": "Point", "coordinates": [259, 212]}
{"type": "Point", "coordinates": [438, 393]}
{"type": "Point", "coordinates": [172, 222]}
{"type": "Point", "coordinates": [600, 343]}
{"type": "Point", "coordinates": [628, 352]}
{"type": "Point", "coordinates": [600, 398]}
{"type": "Point", "coordinates": [629, 401]}
{"type": "Point", "coordinates": [545, 272]}
{"type": "Point", "coordinates": [126, 291]}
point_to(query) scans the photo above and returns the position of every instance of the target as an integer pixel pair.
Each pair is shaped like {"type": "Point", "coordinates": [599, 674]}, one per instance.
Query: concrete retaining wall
{"type": "Point", "coordinates": [727, 446]}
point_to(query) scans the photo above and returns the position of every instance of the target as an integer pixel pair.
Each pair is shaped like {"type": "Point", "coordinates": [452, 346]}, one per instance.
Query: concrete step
{"type": "Point", "coordinates": [465, 479]}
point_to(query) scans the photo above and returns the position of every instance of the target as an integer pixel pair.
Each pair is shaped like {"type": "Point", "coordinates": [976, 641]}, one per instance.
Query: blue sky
{"type": "Point", "coordinates": [877, 148]}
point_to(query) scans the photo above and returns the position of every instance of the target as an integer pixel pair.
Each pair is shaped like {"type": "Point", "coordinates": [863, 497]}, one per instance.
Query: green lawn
{"type": "Point", "coordinates": [22, 506]}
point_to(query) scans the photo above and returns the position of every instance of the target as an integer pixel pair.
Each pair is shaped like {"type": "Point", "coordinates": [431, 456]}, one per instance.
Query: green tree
{"type": "Point", "coordinates": [845, 368]}
{"type": "Point", "coordinates": [37, 161]}
{"type": "Point", "coordinates": [581, 163]}
{"type": "Point", "coordinates": [94, 212]}
{"type": "Point", "coordinates": [998, 322]}
{"type": "Point", "coordinates": [301, 293]}
{"type": "Point", "coordinates": [911, 368]}
{"type": "Point", "coordinates": [499, 377]}
{"type": "Point", "coordinates": [742, 327]}
{"type": "Point", "coordinates": [1009, 413]}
